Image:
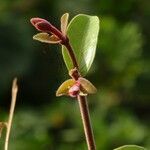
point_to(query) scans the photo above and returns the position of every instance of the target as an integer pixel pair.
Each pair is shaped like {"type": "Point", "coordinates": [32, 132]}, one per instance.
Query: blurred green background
{"type": "Point", "coordinates": [121, 71]}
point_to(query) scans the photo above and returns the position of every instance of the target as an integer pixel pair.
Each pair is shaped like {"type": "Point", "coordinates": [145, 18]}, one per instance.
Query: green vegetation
{"type": "Point", "coordinates": [119, 110]}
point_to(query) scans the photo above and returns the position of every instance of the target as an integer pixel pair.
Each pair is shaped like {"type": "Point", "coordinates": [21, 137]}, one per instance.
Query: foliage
{"type": "Point", "coordinates": [130, 147]}
{"type": "Point", "coordinates": [83, 33]}
{"type": "Point", "coordinates": [120, 109]}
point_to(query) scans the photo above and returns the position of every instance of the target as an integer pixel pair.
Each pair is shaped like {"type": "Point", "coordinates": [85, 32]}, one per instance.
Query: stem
{"type": "Point", "coordinates": [72, 55]}
{"type": "Point", "coordinates": [83, 105]}
{"type": "Point", "coordinates": [65, 42]}
{"type": "Point", "coordinates": [82, 100]}
{"type": "Point", "coordinates": [12, 107]}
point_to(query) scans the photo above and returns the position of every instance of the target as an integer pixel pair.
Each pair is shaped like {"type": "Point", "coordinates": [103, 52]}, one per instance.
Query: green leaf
{"type": "Point", "coordinates": [87, 86]}
{"type": "Point", "coordinates": [64, 87]}
{"type": "Point", "coordinates": [83, 34]}
{"type": "Point", "coordinates": [130, 147]}
{"type": "Point", "coordinates": [46, 38]}
{"type": "Point", "coordinates": [64, 23]}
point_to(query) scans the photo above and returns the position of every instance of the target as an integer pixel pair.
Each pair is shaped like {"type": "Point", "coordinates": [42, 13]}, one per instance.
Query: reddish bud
{"type": "Point", "coordinates": [45, 26]}
{"type": "Point", "coordinates": [74, 90]}
{"type": "Point", "coordinates": [34, 21]}
{"type": "Point", "coordinates": [41, 24]}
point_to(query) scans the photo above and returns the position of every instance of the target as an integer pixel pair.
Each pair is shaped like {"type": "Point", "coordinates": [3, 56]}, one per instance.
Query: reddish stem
{"type": "Point", "coordinates": [71, 54]}
{"type": "Point", "coordinates": [83, 105]}
{"type": "Point", "coordinates": [82, 100]}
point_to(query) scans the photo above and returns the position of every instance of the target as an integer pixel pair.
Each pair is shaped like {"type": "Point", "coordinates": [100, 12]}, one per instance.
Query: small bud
{"type": "Point", "coordinates": [44, 27]}
{"type": "Point", "coordinates": [41, 24]}
{"type": "Point", "coordinates": [34, 21]}
{"type": "Point", "coordinates": [74, 90]}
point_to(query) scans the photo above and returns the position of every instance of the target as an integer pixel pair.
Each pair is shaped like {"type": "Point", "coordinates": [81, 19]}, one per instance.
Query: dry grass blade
{"type": "Point", "coordinates": [11, 113]}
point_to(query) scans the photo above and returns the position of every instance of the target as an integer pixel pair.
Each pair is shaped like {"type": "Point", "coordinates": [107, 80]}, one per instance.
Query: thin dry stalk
{"type": "Point", "coordinates": [11, 113]}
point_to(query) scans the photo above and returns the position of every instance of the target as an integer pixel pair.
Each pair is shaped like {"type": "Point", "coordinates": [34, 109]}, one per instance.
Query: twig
{"type": "Point", "coordinates": [71, 54]}
{"type": "Point", "coordinates": [12, 107]}
{"type": "Point", "coordinates": [45, 26]}
{"type": "Point", "coordinates": [83, 105]}
{"type": "Point", "coordinates": [82, 100]}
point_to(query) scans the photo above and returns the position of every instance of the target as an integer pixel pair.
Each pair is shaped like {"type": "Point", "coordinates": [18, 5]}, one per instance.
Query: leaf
{"type": "Point", "coordinates": [64, 87]}
{"type": "Point", "coordinates": [87, 86]}
{"type": "Point", "coordinates": [130, 147]}
{"type": "Point", "coordinates": [83, 34]}
{"type": "Point", "coordinates": [2, 125]}
{"type": "Point", "coordinates": [64, 23]}
{"type": "Point", "coordinates": [46, 38]}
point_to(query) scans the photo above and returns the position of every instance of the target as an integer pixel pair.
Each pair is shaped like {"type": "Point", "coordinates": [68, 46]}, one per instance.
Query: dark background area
{"type": "Point", "coordinates": [121, 72]}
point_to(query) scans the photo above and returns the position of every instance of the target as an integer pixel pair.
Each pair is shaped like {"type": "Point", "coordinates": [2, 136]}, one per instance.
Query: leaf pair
{"type": "Point", "coordinates": [53, 39]}
{"type": "Point", "coordinates": [82, 32]}
{"type": "Point", "coordinates": [86, 87]}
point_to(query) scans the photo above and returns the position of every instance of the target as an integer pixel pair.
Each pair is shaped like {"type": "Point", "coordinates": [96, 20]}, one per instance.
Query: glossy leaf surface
{"type": "Point", "coordinates": [64, 87]}
{"type": "Point", "coordinates": [130, 147]}
{"type": "Point", "coordinates": [83, 34]}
